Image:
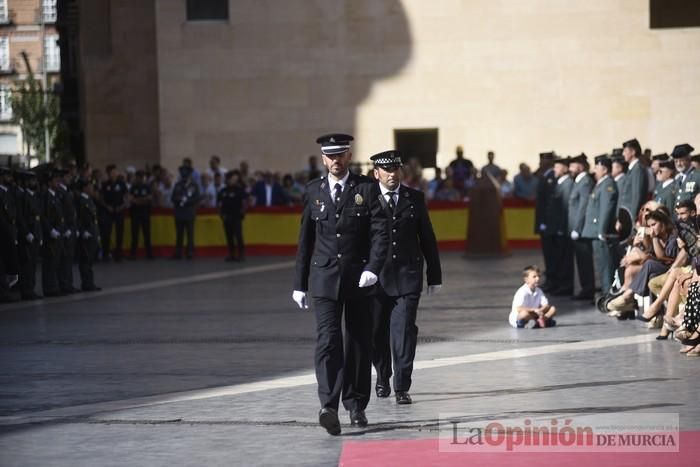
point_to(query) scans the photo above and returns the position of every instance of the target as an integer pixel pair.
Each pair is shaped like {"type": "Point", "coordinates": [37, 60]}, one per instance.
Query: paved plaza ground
{"type": "Point", "coordinates": [207, 363]}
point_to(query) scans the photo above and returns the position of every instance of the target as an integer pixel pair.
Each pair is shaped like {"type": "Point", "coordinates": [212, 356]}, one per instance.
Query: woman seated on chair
{"type": "Point", "coordinates": [652, 256]}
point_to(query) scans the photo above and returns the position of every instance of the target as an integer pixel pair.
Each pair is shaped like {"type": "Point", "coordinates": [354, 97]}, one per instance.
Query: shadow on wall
{"type": "Point", "coordinates": [277, 75]}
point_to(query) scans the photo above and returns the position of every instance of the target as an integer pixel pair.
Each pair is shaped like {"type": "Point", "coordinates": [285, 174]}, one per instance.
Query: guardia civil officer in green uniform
{"type": "Point", "coordinates": [88, 234]}
{"type": "Point", "coordinates": [633, 192]}
{"type": "Point", "coordinates": [688, 178]}
{"type": "Point", "coordinates": [557, 228]}
{"type": "Point", "coordinates": [342, 248]}
{"type": "Point", "coordinates": [599, 226]}
{"type": "Point", "coordinates": [666, 190]}
{"type": "Point", "coordinates": [411, 244]}
{"type": "Point", "coordinates": [9, 255]}
{"type": "Point", "coordinates": [583, 247]}
{"type": "Point", "coordinates": [545, 189]}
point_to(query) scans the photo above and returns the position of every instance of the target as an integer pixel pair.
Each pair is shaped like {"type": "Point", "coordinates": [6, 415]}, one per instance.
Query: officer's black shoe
{"type": "Point", "coordinates": [382, 390]}
{"type": "Point", "coordinates": [358, 418]}
{"type": "Point", "coordinates": [328, 418]}
{"type": "Point", "coordinates": [8, 299]}
{"type": "Point", "coordinates": [403, 398]}
{"type": "Point", "coordinates": [52, 294]}
{"type": "Point", "coordinates": [69, 291]}
{"type": "Point", "coordinates": [92, 288]}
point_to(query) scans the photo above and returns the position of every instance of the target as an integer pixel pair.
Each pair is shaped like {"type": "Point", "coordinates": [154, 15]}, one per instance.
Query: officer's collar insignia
{"type": "Point", "coordinates": [358, 199]}
{"type": "Point", "coordinates": [405, 194]}
{"type": "Point", "coordinates": [323, 184]}
{"type": "Point", "coordinates": [610, 189]}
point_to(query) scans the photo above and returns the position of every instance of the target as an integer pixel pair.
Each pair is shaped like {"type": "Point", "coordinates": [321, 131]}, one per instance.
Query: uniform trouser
{"type": "Point", "coordinates": [180, 228]}
{"type": "Point", "coordinates": [548, 254]}
{"type": "Point", "coordinates": [65, 263]}
{"type": "Point", "coordinates": [348, 369]}
{"type": "Point", "coordinates": [563, 252]}
{"type": "Point", "coordinates": [233, 226]}
{"type": "Point", "coordinates": [141, 222]}
{"type": "Point", "coordinates": [29, 255]}
{"type": "Point", "coordinates": [583, 250]}
{"type": "Point", "coordinates": [604, 258]}
{"type": "Point", "coordinates": [87, 249]}
{"type": "Point", "coordinates": [50, 258]}
{"type": "Point", "coordinates": [110, 219]}
{"type": "Point", "coordinates": [394, 332]}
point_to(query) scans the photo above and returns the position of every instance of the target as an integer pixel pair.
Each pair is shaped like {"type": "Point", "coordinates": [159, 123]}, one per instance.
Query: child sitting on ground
{"type": "Point", "coordinates": [530, 304]}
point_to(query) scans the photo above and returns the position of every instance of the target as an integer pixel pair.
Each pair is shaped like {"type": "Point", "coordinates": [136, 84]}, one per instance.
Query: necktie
{"type": "Point", "coordinates": [391, 202]}
{"type": "Point", "coordinates": [337, 192]}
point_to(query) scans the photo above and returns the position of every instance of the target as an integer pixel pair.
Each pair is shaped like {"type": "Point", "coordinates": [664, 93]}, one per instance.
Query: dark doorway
{"type": "Point", "coordinates": [422, 144]}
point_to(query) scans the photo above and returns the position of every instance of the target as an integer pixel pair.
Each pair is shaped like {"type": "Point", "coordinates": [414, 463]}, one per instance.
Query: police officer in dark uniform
{"type": "Point", "coordinates": [140, 212]}
{"type": "Point", "coordinates": [342, 248]}
{"type": "Point", "coordinates": [231, 201]}
{"type": "Point", "coordinates": [557, 229]}
{"type": "Point", "coordinates": [88, 234]}
{"type": "Point", "coordinates": [411, 241]}
{"type": "Point", "coordinates": [52, 221]}
{"type": "Point", "coordinates": [30, 237]}
{"type": "Point", "coordinates": [545, 189]}
{"type": "Point", "coordinates": [113, 197]}
{"type": "Point", "coordinates": [9, 256]}
{"type": "Point", "coordinates": [185, 199]}
{"type": "Point", "coordinates": [70, 226]}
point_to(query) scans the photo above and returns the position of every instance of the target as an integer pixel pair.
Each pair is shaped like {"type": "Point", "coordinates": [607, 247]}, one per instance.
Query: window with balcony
{"type": "Point", "coordinates": [48, 9]}
{"type": "Point", "coordinates": [4, 14]}
{"type": "Point", "coordinates": [4, 54]}
{"type": "Point", "coordinates": [52, 53]}
{"type": "Point", "coordinates": [5, 102]}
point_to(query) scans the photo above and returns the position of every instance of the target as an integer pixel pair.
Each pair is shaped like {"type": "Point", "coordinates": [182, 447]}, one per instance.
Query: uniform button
{"type": "Point", "coordinates": [337, 235]}
{"type": "Point", "coordinates": [337, 216]}
{"type": "Point", "coordinates": [364, 260]}
{"type": "Point", "coordinates": [393, 243]}
{"type": "Point", "coordinates": [358, 213]}
{"type": "Point", "coordinates": [393, 230]}
{"type": "Point", "coordinates": [393, 256]}
{"type": "Point", "coordinates": [394, 217]}
{"type": "Point", "coordinates": [595, 221]}
{"type": "Point", "coordinates": [339, 255]}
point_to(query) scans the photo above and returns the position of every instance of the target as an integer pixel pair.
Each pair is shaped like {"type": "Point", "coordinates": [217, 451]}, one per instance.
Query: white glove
{"type": "Point", "coordinates": [86, 235]}
{"type": "Point", "coordinates": [543, 227]}
{"type": "Point", "coordinates": [574, 235]}
{"type": "Point", "coordinates": [55, 233]}
{"type": "Point", "coordinates": [300, 298]}
{"type": "Point", "coordinates": [367, 279]}
{"type": "Point", "coordinates": [67, 233]}
{"type": "Point", "coordinates": [433, 289]}
{"type": "Point", "coordinates": [601, 237]}
{"type": "Point", "coordinates": [12, 279]}
{"type": "Point", "coordinates": [30, 237]}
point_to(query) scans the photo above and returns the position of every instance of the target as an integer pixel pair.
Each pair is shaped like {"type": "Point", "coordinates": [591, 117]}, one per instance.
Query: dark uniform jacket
{"type": "Point", "coordinates": [545, 189]}
{"type": "Point", "coordinates": [140, 191]}
{"type": "Point", "coordinates": [557, 213]}
{"type": "Point", "coordinates": [70, 218]}
{"type": "Point", "coordinates": [600, 212]}
{"type": "Point", "coordinates": [185, 199]}
{"type": "Point", "coordinates": [32, 214]}
{"type": "Point", "coordinates": [114, 192]}
{"type": "Point", "coordinates": [666, 195]}
{"type": "Point", "coordinates": [20, 196]}
{"type": "Point", "coordinates": [8, 230]}
{"type": "Point", "coordinates": [51, 215]}
{"type": "Point", "coordinates": [230, 201]}
{"type": "Point", "coordinates": [633, 191]}
{"type": "Point", "coordinates": [338, 243]}
{"type": "Point", "coordinates": [87, 217]}
{"type": "Point", "coordinates": [578, 202]}
{"type": "Point", "coordinates": [411, 239]}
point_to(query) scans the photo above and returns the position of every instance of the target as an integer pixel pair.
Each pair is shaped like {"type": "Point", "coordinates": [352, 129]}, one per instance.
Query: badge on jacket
{"type": "Point", "coordinates": [359, 199]}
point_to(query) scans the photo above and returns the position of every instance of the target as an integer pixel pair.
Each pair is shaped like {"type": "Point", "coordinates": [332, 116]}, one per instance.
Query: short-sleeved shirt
{"type": "Point", "coordinates": [524, 297]}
